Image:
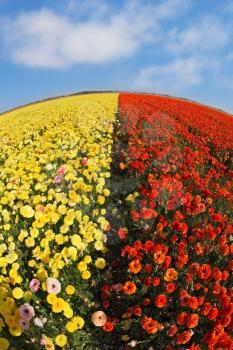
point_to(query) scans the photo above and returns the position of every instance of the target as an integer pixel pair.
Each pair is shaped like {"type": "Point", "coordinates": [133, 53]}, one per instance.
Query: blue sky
{"type": "Point", "coordinates": [177, 47]}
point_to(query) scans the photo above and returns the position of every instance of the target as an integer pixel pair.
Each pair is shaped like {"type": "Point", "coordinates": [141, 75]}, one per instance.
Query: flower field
{"type": "Point", "coordinates": [116, 225]}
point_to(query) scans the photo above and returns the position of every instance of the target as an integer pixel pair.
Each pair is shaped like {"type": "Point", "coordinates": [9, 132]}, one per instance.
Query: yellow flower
{"type": "Point", "coordinates": [4, 344]}
{"type": "Point", "coordinates": [101, 200]}
{"type": "Point", "coordinates": [76, 240]}
{"type": "Point", "coordinates": [42, 275]}
{"type": "Point", "coordinates": [71, 327]}
{"type": "Point", "coordinates": [61, 340]}
{"type": "Point", "coordinates": [49, 344]}
{"type": "Point", "coordinates": [79, 321]}
{"type": "Point", "coordinates": [68, 312]}
{"type": "Point", "coordinates": [17, 293]}
{"type": "Point", "coordinates": [100, 263]}
{"type": "Point", "coordinates": [86, 275]}
{"type": "Point", "coordinates": [15, 330]}
{"type": "Point", "coordinates": [70, 289]}
{"type": "Point", "coordinates": [98, 245]}
{"type": "Point", "coordinates": [29, 242]}
{"type": "Point", "coordinates": [27, 211]}
{"type": "Point", "coordinates": [87, 259]}
{"type": "Point", "coordinates": [51, 299]}
{"type": "Point", "coordinates": [106, 192]}
{"type": "Point", "coordinates": [82, 266]}
{"type": "Point", "coordinates": [58, 305]}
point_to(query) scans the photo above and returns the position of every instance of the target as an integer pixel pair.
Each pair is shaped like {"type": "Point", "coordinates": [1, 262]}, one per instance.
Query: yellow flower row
{"type": "Point", "coordinates": [55, 163]}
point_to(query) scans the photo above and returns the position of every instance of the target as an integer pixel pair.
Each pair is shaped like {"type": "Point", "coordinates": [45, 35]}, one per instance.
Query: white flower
{"type": "Point", "coordinates": [53, 285]}
{"type": "Point", "coordinates": [39, 322]}
{"type": "Point", "coordinates": [49, 166]}
{"type": "Point", "coordinates": [133, 343]}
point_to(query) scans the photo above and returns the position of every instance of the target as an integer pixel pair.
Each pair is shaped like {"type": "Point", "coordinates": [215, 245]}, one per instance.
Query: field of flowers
{"type": "Point", "coordinates": [116, 225]}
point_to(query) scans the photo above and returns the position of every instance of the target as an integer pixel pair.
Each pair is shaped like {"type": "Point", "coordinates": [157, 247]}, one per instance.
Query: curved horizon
{"type": "Point", "coordinates": [112, 91]}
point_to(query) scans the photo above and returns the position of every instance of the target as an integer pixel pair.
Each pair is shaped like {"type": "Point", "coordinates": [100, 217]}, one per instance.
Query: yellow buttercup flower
{"type": "Point", "coordinates": [17, 293]}
{"type": "Point", "coordinates": [82, 266]}
{"type": "Point", "coordinates": [27, 211]}
{"type": "Point", "coordinates": [58, 305]}
{"type": "Point", "coordinates": [70, 289]}
{"type": "Point", "coordinates": [100, 263]}
{"type": "Point", "coordinates": [4, 344]}
{"type": "Point", "coordinates": [61, 340]}
{"type": "Point", "coordinates": [71, 327]}
{"type": "Point", "coordinates": [79, 321]}
{"type": "Point", "coordinates": [51, 298]}
{"type": "Point", "coordinates": [86, 275]}
{"type": "Point", "coordinates": [87, 259]}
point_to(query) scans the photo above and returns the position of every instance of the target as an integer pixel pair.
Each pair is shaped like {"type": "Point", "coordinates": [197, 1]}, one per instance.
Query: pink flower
{"type": "Point", "coordinates": [26, 312]}
{"type": "Point", "coordinates": [57, 179]}
{"type": "Point", "coordinates": [41, 208]}
{"type": "Point", "coordinates": [99, 318]}
{"type": "Point", "coordinates": [24, 324]}
{"type": "Point", "coordinates": [61, 171]}
{"type": "Point", "coordinates": [53, 285]}
{"type": "Point", "coordinates": [34, 285]}
{"type": "Point", "coordinates": [43, 342]}
{"type": "Point", "coordinates": [84, 161]}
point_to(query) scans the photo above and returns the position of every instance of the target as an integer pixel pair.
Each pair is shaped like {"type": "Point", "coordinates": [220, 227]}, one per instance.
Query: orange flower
{"type": "Point", "coordinates": [122, 232]}
{"type": "Point", "coordinates": [182, 318]}
{"type": "Point", "coordinates": [172, 331]}
{"type": "Point", "coordinates": [184, 337]}
{"type": "Point", "coordinates": [150, 325]}
{"type": "Point", "coordinates": [204, 271]}
{"type": "Point", "coordinates": [159, 257]}
{"type": "Point", "coordinates": [193, 303]}
{"type": "Point", "coordinates": [170, 275]}
{"type": "Point", "coordinates": [170, 287]}
{"type": "Point", "coordinates": [160, 300]}
{"type": "Point", "coordinates": [135, 266]}
{"type": "Point", "coordinates": [122, 165]}
{"type": "Point", "coordinates": [147, 213]}
{"type": "Point", "coordinates": [192, 321]}
{"type": "Point", "coordinates": [194, 347]}
{"type": "Point", "coordinates": [129, 288]}
{"type": "Point", "coordinates": [209, 200]}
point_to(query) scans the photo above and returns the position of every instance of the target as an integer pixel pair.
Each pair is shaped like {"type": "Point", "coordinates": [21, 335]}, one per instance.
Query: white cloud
{"type": "Point", "coordinates": [45, 39]}
{"type": "Point", "coordinates": [207, 35]}
{"type": "Point", "coordinates": [172, 77]}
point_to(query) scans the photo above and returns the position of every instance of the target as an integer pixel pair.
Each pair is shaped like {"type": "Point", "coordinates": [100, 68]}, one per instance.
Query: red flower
{"type": "Point", "coordinates": [146, 301]}
{"type": "Point", "coordinates": [161, 300]}
{"type": "Point", "coordinates": [135, 215]}
{"type": "Point", "coordinates": [184, 337]}
{"type": "Point", "coordinates": [137, 311]}
{"type": "Point", "coordinates": [150, 325]}
{"type": "Point", "coordinates": [213, 313]}
{"type": "Point", "coordinates": [204, 271]}
{"type": "Point", "coordinates": [192, 321]}
{"type": "Point", "coordinates": [122, 232]}
{"type": "Point", "coordinates": [108, 326]}
{"type": "Point", "coordinates": [172, 331]}
{"type": "Point", "coordinates": [170, 287]}
{"type": "Point", "coordinates": [182, 318]}
{"type": "Point", "coordinates": [193, 303]}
